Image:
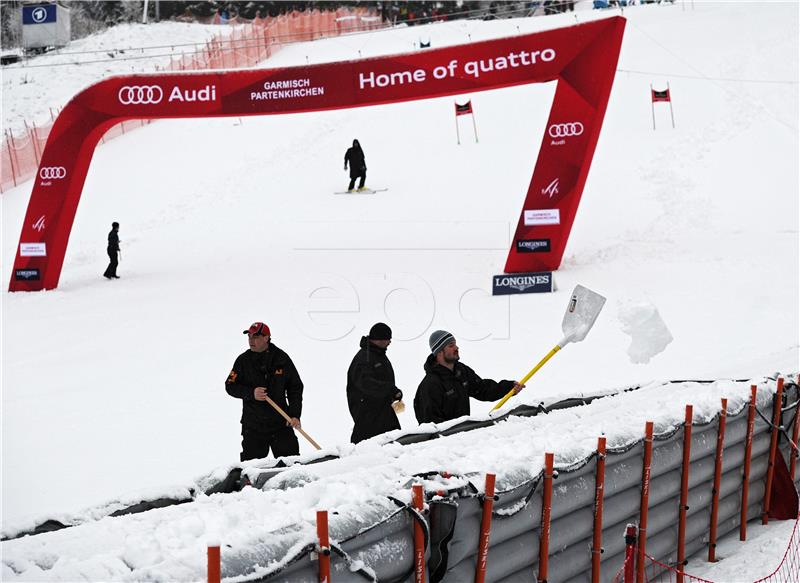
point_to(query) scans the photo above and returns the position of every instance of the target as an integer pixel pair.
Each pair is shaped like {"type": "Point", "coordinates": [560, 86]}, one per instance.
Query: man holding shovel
{"type": "Point", "coordinates": [448, 384]}
{"type": "Point", "coordinates": [268, 384]}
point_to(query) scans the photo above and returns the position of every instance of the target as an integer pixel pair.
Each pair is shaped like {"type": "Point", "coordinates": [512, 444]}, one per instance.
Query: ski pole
{"type": "Point", "coordinates": [525, 379]}
{"type": "Point", "coordinates": [289, 419]}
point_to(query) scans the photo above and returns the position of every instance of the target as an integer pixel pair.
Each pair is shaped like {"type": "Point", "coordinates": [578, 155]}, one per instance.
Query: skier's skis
{"type": "Point", "coordinates": [362, 191]}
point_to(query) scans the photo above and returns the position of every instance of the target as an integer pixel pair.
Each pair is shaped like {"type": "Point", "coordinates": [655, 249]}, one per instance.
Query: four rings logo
{"type": "Point", "coordinates": [141, 95]}
{"type": "Point", "coordinates": [52, 172]}
{"type": "Point", "coordinates": [565, 130]}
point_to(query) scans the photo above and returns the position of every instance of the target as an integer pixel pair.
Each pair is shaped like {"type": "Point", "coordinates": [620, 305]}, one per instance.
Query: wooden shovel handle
{"type": "Point", "coordinates": [289, 419]}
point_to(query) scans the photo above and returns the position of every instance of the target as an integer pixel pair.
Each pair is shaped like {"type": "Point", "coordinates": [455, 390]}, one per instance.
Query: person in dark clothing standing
{"type": "Point", "coordinates": [371, 393]}
{"type": "Point", "coordinates": [448, 384]}
{"type": "Point", "coordinates": [358, 165]}
{"type": "Point", "coordinates": [113, 252]}
{"type": "Point", "coordinates": [260, 372]}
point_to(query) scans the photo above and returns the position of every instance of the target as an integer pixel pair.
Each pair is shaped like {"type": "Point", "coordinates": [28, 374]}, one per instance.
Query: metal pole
{"type": "Point", "coordinates": [458, 136]}
{"type": "Point", "coordinates": [144, 12]}
{"type": "Point", "coordinates": [547, 497]}
{"type": "Point", "coordinates": [419, 536]}
{"type": "Point", "coordinates": [630, 552]}
{"type": "Point", "coordinates": [648, 457]}
{"type": "Point", "coordinates": [474, 127]}
{"type": "Point", "coordinates": [773, 448]}
{"type": "Point", "coordinates": [214, 570]}
{"type": "Point", "coordinates": [599, 481]}
{"type": "Point", "coordinates": [712, 537]}
{"type": "Point", "coordinates": [486, 525]}
{"type": "Point", "coordinates": [748, 450]}
{"type": "Point", "coordinates": [324, 548]}
{"type": "Point", "coordinates": [652, 107]}
{"type": "Point", "coordinates": [684, 504]}
{"type": "Point", "coordinates": [795, 436]}
{"type": "Point", "coordinates": [670, 106]}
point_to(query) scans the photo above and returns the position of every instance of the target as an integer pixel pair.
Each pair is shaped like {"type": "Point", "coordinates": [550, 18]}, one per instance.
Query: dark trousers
{"type": "Point", "coordinates": [353, 181]}
{"type": "Point", "coordinates": [111, 270]}
{"type": "Point", "coordinates": [256, 444]}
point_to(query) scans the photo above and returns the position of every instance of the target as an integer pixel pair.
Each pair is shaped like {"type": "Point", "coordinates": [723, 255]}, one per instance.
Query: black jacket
{"type": "Point", "coordinates": [371, 392]}
{"type": "Point", "coordinates": [113, 241]}
{"type": "Point", "coordinates": [274, 370]}
{"type": "Point", "coordinates": [444, 394]}
{"type": "Point", "coordinates": [355, 157]}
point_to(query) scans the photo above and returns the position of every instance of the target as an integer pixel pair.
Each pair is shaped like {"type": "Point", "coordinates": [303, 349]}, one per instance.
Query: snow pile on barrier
{"type": "Point", "coordinates": [270, 531]}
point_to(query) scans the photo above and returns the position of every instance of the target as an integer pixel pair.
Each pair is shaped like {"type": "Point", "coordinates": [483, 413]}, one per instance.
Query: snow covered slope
{"type": "Point", "coordinates": [111, 387]}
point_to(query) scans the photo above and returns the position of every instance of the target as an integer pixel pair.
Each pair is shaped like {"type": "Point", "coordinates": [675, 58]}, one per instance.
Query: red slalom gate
{"type": "Point", "coordinates": [580, 59]}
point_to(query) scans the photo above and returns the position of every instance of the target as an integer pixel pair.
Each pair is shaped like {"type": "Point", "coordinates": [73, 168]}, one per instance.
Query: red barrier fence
{"type": "Point", "coordinates": [245, 46]}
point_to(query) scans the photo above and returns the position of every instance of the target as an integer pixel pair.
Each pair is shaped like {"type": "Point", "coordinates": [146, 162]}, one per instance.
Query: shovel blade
{"type": "Point", "coordinates": [583, 309]}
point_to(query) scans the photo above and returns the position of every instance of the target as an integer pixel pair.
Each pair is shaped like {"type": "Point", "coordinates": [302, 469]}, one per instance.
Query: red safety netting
{"type": "Point", "coordinates": [657, 572]}
{"type": "Point", "coordinates": [249, 43]}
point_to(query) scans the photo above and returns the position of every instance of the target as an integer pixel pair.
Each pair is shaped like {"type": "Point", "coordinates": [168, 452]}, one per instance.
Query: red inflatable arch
{"type": "Point", "coordinates": [581, 58]}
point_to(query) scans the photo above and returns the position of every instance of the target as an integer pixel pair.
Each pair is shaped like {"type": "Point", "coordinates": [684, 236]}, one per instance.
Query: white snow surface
{"type": "Point", "coordinates": [113, 391]}
{"type": "Point", "coordinates": [47, 82]}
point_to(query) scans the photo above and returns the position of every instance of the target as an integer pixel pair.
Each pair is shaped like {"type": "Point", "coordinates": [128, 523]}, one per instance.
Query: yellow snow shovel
{"type": "Point", "coordinates": [583, 309]}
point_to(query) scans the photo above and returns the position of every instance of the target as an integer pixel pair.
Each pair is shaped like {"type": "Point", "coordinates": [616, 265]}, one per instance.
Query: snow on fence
{"type": "Point", "coordinates": [245, 46]}
{"type": "Point", "coordinates": [682, 487]}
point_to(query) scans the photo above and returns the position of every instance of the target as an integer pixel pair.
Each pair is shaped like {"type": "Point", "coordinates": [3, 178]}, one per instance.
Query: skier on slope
{"type": "Point", "coordinates": [113, 252]}
{"type": "Point", "coordinates": [358, 166]}
{"type": "Point", "coordinates": [448, 384]}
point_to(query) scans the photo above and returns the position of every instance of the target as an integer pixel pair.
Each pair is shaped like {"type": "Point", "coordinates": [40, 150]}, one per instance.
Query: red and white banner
{"type": "Point", "coordinates": [582, 59]}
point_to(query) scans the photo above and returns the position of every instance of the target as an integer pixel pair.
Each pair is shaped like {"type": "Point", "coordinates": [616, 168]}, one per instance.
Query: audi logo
{"type": "Point", "coordinates": [565, 130]}
{"type": "Point", "coordinates": [52, 172]}
{"type": "Point", "coordinates": [141, 95]}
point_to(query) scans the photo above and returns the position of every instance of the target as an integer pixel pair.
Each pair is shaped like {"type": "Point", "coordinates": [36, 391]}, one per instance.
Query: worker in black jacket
{"type": "Point", "coordinates": [266, 371]}
{"type": "Point", "coordinates": [113, 252]}
{"type": "Point", "coordinates": [448, 384]}
{"type": "Point", "coordinates": [371, 393]}
{"type": "Point", "coordinates": [358, 165]}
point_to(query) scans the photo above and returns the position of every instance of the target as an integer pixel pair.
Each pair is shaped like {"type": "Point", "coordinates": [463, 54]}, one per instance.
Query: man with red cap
{"type": "Point", "coordinates": [265, 371]}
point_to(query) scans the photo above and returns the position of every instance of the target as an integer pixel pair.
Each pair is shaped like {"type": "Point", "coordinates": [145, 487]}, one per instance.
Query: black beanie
{"type": "Point", "coordinates": [439, 340]}
{"type": "Point", "coordinates": [380, 331]}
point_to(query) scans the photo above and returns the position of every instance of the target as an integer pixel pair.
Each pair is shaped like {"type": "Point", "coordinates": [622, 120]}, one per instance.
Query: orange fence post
{"type": "Point", "coordinates": [419, 536]}
{"type": "Point", "coordinates": [648, 457]}
{"type": "Point", "coordinates": [599, 482]}
{"type": "Point", "coordinates": [684, 505]}
{"type": "Point", "coordinates": [10, 157]}
{"type": "Point", "coordinates": [748, 450]}
{"type": "Point", "coordinates": [773, 449]}
{"type": "Point", "coordinates": [630, 552]}
{"type": "Point", "coordinates": [795, 436]}
{"type": "Point", "coordinates": [486, 525]}
{"type": "Point", "coordinates": [324, 549]}
{"type": "Point", "coordinates": [712, 537]}
{"type": "Point", "coordinates": [547, 498]}
{"type": "Point", "coordinates": [214, 570]}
